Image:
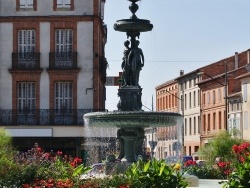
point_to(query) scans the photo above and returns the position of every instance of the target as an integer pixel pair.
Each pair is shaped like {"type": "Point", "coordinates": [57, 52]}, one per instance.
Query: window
{"type": "Point", "coordinates": [190, 126]}
{"type": "Point", "coordinates": [194, 98]}
{"type": "Point", "coordinates": [204, 123]}
{"type": "Point", "coordinates": [63, 95]}
{"type": "Point", "coordinates": [26, 43]}
{"type": "Point", "coordinates": [64, 40]}
{"type": "Point", "coordinates": [63, 47]}
{"type": "Point", "coordinates": [185, 101]}
{"type": "Point", "coordinates": [204, 99]}
{"type": "Point", "coordinates": [26, 95]}
{"type": "Point", "coordinates": [26, 4]}
{"type": "Point", "coordinates": [185, 127]}
{"type": "Point", "coordinates": [220, 123]}
{"type": "Point", "coordinates": [190, 100]}
{"type": "Point", "coordinates": [199, 124]}
{"type": "Point", "coordinates": [208, 122]}
{"type": "Point", "coordinates": [245, 120]}
{"type": "Point", "coordinates": [208, 98]}
{"type": "Point", "coordinates": [194, 125]}
{"type": "Point", "coordinates": [26, 56]}
{"type": "Point", "coordinates": [63, 3]}
{"type": "Point", "coordinates": [245, 92]}
{"type": "Point", "coordinates": [214, 97]}
{"type": "Point", "coordinates": [219, 94]}
{"type": "Point", "coordinates": [199, 97]}
{"type": "Point", "coordinates": [214, 120]}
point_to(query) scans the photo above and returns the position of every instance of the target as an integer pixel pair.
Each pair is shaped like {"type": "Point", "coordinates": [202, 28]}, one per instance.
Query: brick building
{"type": "Point", "coordinates": [52, 70]}
{"type": "Point", "coordinates": [211, 99]}
{"type": "Point", "coordinates": [220, 91]}
{"type": "Point", "coordinates": [167, 100]}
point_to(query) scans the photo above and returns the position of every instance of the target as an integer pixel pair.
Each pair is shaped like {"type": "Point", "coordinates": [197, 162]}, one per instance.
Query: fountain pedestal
{"type": "Point", "coordinates": [130, 98]}
{"type": "Point", "coordinates": [131, 141]}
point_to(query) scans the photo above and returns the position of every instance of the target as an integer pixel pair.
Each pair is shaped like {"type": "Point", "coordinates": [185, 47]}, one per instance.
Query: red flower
{"type": "Point", "coordinates": [59, 152]}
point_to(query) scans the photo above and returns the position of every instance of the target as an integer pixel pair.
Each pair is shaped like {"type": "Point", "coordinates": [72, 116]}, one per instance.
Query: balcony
{"type": "Point", "coordinates": [43, 117]}
{"type": "Point", "coordinates": [26, 61]}
{"type": "Point", "coordinates": [62, 60]}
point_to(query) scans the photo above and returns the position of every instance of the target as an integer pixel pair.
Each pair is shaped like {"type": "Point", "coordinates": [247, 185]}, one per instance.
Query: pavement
{"type": "Point", "coordinates": [208, 183]}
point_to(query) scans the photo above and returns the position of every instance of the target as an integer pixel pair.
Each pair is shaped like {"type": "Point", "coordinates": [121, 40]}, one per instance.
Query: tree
{"type": "Point", "coordinates": [7, 154]}
{"type": "Point", "coordinates": [220, 146]}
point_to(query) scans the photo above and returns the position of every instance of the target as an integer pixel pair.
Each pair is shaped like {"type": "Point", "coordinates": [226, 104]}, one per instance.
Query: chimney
{"type": "Point", "coordinates": [236, 60]}
{"type": "Point", "coordinates": [248, 56]}
{"type": "Point", "coordinates": [181, 72]}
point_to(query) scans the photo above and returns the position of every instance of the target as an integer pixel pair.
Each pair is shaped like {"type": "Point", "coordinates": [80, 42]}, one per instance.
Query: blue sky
{"type": "Point", "coordinates": [187, 34]}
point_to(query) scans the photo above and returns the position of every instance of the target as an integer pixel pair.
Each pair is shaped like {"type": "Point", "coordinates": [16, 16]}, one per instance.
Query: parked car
{"type": "Point", "coordinates": [187, 158]}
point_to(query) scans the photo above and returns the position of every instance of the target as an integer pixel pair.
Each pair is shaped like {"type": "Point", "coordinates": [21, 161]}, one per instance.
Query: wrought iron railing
{"type": "Point", "coordinates": [63, 60]}
{"type": "Point", "coordinates": [43, 117]}
{"type": "Point", "coordinates": [25, 61]}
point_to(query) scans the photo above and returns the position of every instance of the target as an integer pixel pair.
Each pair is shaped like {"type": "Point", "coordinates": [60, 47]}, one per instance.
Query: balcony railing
{"type": "Point", "coordinates": [25, 61]}
{"type": "Point", "coordinates": [62, 60]}
{"type": "Point", "coordinates": [43, 117]}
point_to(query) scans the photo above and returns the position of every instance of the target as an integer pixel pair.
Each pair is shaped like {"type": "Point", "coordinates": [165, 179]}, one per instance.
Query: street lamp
{"type": "Point", "coordinates": [225, 87]}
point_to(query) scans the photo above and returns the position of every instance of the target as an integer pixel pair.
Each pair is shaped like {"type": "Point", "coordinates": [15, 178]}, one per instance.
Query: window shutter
{"type": "Point", "coordinates": [30, 3]}
{"type": "Point", "coordinates": [26, 95]}
{"type": "Point", "coordinates": [22, 3]}
{"type": "Point", "coordinates": [67, 3]}
{"type": "Point", "coordinates": [59, 40]}
{"type": "Point", "coordinates": [59, 3]}
{"type": "Point", "coordinates": [68, 40]}
{"type": "Point", "coordinates": [63, 95]}
{"type": "Point", "coordinates": [64, 40]}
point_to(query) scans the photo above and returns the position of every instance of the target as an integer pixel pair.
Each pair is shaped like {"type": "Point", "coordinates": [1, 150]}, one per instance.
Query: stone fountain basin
{"type": "Point", "coordinates": [129, 119]}
{"type": "Point", "coordinates": [126, 25]}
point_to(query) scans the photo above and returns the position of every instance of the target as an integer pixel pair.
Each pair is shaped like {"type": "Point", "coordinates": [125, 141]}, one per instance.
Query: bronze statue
{"type": "Point", "coordinates": [125, 65]}
{"type": "Point", "coordinates": [136, 62]}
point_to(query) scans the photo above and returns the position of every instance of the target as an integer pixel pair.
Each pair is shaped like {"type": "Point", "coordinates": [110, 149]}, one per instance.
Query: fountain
{"type": "Point", "coordinates": [130, 118]}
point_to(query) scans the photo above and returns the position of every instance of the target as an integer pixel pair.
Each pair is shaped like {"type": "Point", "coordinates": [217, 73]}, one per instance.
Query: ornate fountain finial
{"type": "Point", "coordinates": [133, 59]}
{"type": "Point", "coordinates": [133, 8]}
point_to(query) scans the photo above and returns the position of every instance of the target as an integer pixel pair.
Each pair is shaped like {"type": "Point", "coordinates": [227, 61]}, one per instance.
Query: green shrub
{"type": "Point", "coordinates": [220, 146]}
{"type": "Point", "coordinates": [240, 176]}
{"type": "Point", "coordinates": [154, 174]}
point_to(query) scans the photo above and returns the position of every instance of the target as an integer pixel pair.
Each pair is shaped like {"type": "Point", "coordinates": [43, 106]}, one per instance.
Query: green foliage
{"type": "Point", "coordinates": [154, 174]}
{"type": "Point", "coordinates": [114, 181]}
{"type": "Point", "coordinates": [8, 169]}
{"type": "Point", "coordinates": [240, 176]}
{"type": "Point", "coordinates": [205, 171]}
{"type": "Point", "coordinates": [220, 146]}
